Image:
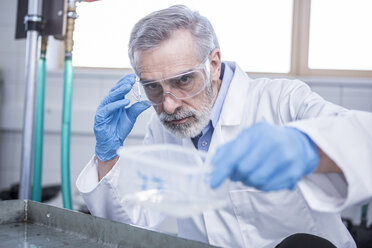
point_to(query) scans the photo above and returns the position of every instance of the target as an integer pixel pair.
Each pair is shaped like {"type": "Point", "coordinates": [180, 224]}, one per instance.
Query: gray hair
{"type": "Point", "coordinates": [153, 29]}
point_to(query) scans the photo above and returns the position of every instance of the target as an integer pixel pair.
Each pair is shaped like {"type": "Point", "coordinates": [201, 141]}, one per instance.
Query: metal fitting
{"type": "Point", "coordinates": [33, 22]}
{"type": "Point", "coordinates": [72, 14]}
{"type": "Point", "coordinates": [32, 18]}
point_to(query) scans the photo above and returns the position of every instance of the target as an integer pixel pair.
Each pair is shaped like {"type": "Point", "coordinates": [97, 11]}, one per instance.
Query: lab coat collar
{"type": "Point", "coordinates": [233, 108]}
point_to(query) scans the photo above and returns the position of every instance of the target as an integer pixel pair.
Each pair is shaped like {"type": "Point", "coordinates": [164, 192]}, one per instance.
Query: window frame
{"type": "Point", "coordinates": [300, 46]}
{"type": "Point", "coordinates": [299, 66]}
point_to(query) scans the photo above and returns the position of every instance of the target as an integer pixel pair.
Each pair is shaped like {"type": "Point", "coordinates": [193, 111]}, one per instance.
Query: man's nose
{"type": "Point", "coordinates": [170, 103]}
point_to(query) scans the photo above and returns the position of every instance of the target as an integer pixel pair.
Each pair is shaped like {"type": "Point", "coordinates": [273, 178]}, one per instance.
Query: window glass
{"type": "Point", "coordinates": [254, 33]}
{"type": "Point", "coordinates": [341, 35]}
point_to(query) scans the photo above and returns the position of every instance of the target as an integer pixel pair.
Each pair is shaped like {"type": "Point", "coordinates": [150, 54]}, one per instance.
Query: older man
{"type": "Point", "coordinates": [290, 153]}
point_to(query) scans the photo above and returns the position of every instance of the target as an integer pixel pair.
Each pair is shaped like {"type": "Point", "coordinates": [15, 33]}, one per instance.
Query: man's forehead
{"type": "Point", "coordinates": [176, 54]}
{"type": "Point", "coordinates": [165, 70]}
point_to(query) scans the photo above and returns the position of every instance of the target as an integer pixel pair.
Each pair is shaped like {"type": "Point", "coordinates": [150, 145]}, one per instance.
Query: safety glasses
{"type": "Point", "coordinates": [181, 86]}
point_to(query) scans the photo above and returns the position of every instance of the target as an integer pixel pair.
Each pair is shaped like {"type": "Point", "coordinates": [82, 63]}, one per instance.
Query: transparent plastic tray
{"type": "Point", "coordinates": [168, 178]}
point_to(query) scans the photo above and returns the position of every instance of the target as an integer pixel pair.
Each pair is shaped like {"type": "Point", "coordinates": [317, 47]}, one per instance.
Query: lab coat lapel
{"type": "Point", "coordinates": [233, 110]}
{"type": "Point", "coordinates": [228, 126]}
{"type": "Point", "coordinates": [234, 107]}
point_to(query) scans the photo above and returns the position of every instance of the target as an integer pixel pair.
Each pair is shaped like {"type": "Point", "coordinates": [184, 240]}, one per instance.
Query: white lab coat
{"type": "Point", "coordinates": [253, 218]}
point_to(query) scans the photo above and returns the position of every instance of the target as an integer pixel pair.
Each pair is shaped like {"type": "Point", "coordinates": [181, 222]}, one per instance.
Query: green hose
{"type": "Point", "coordinates": [66, 128]}
{"type": "Point", "coordinates": [39, 128]}
{"type": "Point", "coordinates": [364, 215]}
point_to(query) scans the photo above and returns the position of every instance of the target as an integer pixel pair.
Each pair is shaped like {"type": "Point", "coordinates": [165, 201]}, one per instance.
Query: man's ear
{"type": "Point", "coordinates": [215, 60]}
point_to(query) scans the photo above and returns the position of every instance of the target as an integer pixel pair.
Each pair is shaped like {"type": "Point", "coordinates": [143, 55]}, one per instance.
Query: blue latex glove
{"type": "Point", "coordinates": [266, 157]}
{"type": "Point", "coordinates": [113, 122]}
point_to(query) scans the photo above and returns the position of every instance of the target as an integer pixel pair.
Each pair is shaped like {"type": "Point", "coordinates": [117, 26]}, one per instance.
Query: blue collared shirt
{"type": "Point", "coordinates": [202, 141]}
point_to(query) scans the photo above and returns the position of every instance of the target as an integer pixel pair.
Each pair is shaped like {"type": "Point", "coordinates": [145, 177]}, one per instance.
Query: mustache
{"type": "Point", "coordinates": [178, 115]}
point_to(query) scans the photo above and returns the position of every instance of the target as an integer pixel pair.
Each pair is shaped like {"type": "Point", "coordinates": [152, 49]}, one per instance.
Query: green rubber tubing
{"type": "Point", "coordinates": [364, 214]}
{"type": "Point", "coordinates": [39, 129]}
{"type": "Point", "coordinates": [65, 133]}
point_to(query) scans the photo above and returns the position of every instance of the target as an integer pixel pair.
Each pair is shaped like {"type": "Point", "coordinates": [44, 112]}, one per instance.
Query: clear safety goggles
{"type": "Point", "coordinates": [181, 86]}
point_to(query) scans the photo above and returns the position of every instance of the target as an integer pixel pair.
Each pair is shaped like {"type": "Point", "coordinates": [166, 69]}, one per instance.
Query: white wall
{"type": "Point", "coordinates": [90, 86]}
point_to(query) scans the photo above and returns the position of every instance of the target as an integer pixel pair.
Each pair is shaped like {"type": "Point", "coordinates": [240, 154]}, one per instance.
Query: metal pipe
{"type": "Point", "coordinates": [34, 7]}
{"type": "Point", "coordinates": [34, 13]}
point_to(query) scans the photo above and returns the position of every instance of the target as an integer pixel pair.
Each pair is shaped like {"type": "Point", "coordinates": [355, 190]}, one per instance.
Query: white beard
{"type": "Point", "coordinates": [200, 118]}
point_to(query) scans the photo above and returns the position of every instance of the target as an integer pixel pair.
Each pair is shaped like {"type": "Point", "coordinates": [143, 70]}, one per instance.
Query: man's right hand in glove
{"type": "Point", "coordinates": [113, 121]}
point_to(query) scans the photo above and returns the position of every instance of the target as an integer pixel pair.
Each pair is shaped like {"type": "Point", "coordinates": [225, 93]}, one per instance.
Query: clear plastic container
{"type": "Point", "coordinates": [170, 179]}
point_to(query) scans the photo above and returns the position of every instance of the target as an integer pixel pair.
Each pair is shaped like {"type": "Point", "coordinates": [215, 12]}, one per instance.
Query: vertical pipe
{"type": "Point", "coordinates": [34, 13]}
{"type": "Point", "coordinates": [39, 123]}
{"type": "Point", "coordinates": [67, 102]}
{"type": "Point", "coordinates": [25, 185]}
{"type": "Point", "coordinates": [65, 135]}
